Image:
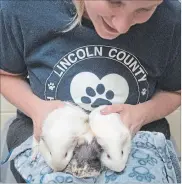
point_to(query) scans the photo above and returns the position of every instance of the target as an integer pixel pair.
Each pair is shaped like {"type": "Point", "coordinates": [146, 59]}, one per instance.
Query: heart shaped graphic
{"type": "Point", "coordinates": [88, 91]}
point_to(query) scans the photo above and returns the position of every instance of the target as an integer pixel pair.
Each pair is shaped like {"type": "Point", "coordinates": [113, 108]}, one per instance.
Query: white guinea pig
{"type": "Point", "coordinates": [114, 138]}
{"type": "Point", "coordinates": [60, 134]}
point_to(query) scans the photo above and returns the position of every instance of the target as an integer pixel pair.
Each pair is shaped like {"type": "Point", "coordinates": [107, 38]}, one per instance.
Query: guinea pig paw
{"type": "Point", "coordinates": [35, 152]}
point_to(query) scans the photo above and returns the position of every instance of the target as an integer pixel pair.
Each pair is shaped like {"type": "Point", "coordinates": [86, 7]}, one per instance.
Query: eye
{"type": "Point", "coordinates": [121, 152]}
{"type": "Point", "coordinates": [143, 10]}
{"type": "Point", "coordinates": [66, 154]}
{"type": "Point", "coordinates": [108, 156]}
{"type": "Point", "coordinates": [115, 2]}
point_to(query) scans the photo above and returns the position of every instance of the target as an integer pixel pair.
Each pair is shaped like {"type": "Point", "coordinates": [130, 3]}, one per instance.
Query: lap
{"type": "Point", "coordinates": [152, 159]}
{"type": "Point", "coordinates": [161, 126]}
{"type": "Point", "coordinates": [20, 129]}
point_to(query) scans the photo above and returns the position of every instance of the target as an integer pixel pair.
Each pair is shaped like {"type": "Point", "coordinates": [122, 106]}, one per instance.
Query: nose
{"type": "Point", "coordinates": [95, 164]}
{"type": "Point", "coordinates": [58, 166]}
{"type": "Point", "coordinates": [122, 23]}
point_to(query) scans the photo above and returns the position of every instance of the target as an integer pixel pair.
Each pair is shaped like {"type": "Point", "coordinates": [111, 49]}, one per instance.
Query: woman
{"type": "Point", "coordinates": [126, 54]}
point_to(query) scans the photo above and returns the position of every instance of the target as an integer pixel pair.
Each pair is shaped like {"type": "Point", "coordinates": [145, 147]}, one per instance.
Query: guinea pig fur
{"type": "Point", "coordinates": [114, 138]}
{"type": "Point", "coordinates": [60, 134]}
{"type": "Point", "coordinates": [86, 160]}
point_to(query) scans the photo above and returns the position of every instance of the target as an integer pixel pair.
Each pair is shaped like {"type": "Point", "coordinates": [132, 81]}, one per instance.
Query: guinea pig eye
{"type": "Point", "coordinates": [108, 156]}
{"type": "Point", "coordinates": [66, 154]}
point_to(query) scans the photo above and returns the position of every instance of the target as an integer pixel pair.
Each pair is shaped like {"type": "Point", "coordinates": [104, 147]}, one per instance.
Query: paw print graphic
{"type": "Point", "coordinates": [29, 179]}
{"type": "Point", "coordinates": [98, 97]}
{"type": "Point", "coordinates": [144, 136]}
{"type": "Point", "coordinates": [51, 86]}
{"type": "Point", "coordinates": [110, 176]}
{"type": "Point", "coordinates": [144, 91]}
{"type": "Point", "coordinates": [64, 179]}
{"type": "Point", "coordinates": [20, 162]}
{"type": "Point", "coordinates": [146, 145]}
{"type": "Point", "coordinates": [142, 174]}
{"type": "Point", "coordinates": [46, 170]}
{"type": "Point", "coordinates": [28, 153]}
{"type": "Point", "coordinates": [143, 158]}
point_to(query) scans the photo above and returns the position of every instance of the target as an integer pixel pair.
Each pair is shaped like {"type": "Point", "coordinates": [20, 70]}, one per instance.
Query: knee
{"type": "Point", "coordinates": [18, 132]}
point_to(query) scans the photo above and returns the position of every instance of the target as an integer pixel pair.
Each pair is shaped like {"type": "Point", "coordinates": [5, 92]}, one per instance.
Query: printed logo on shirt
{"type": "Point", "coordinates": [98, 75]}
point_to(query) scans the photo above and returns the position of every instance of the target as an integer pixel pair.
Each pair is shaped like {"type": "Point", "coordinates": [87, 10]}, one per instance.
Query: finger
{"type": "Point", "coordinates": [133, 132]}
{"type": "Point", "coordinates": [112, 109]}
{"type": "Point", "coordinates": [35, 148]}
{"type": "Point", "coordinates": [127, 125]}
{"type": "Point", "coordinates": [58, 104]}
{"type": "Point", "coordinates": [61, 104]}
{"type": "Point", "coordinates": [36, 133]}
{"type": "Point", "coordinates": [37, 138]}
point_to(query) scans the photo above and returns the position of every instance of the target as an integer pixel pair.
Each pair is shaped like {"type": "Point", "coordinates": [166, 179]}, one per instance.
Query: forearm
{"type": "Point", "coordinates": [19, 93]}
{"type": "Point", "coordinates": [162, 104]}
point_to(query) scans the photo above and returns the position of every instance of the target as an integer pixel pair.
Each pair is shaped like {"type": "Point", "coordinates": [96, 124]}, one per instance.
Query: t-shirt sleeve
{"type": "Point", "coordinates": [171, 77]}
{"type": "Point", "coordinates": [12, 47]}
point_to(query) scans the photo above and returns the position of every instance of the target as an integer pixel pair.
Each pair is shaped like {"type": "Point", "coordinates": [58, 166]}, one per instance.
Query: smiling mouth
{"type": "Point", "coordinates": [108, 27]}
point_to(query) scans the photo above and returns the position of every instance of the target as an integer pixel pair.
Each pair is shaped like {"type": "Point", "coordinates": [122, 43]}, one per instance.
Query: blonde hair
{"type": "Point", "coordinates": [80, 8]}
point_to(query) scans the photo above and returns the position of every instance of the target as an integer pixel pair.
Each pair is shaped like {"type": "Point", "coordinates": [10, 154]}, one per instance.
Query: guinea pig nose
{"type": "Point", "coordinates": [95, 164]}
{"type": "Point", "coordinates": [79, 165]}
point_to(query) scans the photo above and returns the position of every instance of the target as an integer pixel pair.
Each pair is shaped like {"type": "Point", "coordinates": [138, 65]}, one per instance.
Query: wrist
{"type": "Point", "coordinates": [35, 105]}
{"type": "Point", "coordinates": [146, 111]}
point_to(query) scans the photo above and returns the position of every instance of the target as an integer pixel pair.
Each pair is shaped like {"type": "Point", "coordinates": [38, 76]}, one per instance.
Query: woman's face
{"type": "Point", "coordinates": [114, 17]}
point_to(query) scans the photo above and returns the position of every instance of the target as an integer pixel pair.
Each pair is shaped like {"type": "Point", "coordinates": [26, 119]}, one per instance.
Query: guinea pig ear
{"type": "Point", "coordinates": [99, 141]}
{"type": "Point", "coordinates": [76, 149]}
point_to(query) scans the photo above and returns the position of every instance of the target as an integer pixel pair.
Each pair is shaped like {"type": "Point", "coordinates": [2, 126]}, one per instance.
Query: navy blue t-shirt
{"type": "Point", "coordinates": [81, 67]}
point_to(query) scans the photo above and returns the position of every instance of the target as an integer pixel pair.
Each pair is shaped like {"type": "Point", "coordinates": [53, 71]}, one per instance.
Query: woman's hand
{"type": "Point", "coordinates": [45, 107]}
{"type": "Point", "coordinates": [131, 115]}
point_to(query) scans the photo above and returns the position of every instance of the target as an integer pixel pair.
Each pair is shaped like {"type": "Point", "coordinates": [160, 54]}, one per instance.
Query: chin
{"type": "Point", "coordinates": [106, 35]}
